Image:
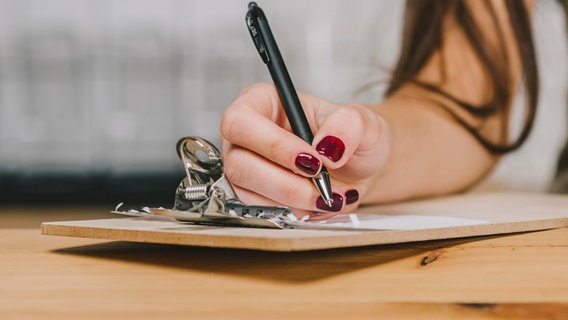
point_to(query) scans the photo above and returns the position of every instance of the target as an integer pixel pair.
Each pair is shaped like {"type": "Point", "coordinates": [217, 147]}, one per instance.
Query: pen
{"type": "Point", "coordinates": [268, 50]}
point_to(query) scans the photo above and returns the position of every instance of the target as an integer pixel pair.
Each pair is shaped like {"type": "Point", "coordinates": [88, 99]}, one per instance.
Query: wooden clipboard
{"type": "Point", "coordinates": [501, 213]}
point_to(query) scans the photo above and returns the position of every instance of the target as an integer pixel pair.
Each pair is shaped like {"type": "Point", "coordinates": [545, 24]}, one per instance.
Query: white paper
{"type": "Point", "coordinates": [396, 222]}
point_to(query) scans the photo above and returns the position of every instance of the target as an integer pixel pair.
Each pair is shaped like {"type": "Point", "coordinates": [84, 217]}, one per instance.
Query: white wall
{"type": "Point", "coordinates": [110, 85]}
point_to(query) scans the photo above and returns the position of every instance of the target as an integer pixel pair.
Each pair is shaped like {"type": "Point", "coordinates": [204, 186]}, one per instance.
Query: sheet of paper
{"type": "Point", "coordinates": [396, 222]}
{"type": "Point", "coordinates": [353, 221]}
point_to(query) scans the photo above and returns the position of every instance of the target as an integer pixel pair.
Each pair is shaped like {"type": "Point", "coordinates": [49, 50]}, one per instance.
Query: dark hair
{"type": "Point", "coordinates": [561, 182]}
{"type": "Point", "coordinates": [422, 36]}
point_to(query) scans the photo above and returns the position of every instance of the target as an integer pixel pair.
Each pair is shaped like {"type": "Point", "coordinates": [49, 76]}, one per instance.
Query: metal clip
{"type": "Point", "coordinates": [205, 195]}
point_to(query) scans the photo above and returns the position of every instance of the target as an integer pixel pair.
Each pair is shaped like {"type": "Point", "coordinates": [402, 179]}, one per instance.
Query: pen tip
{"type": "Point", "coordinates": [323, 184]}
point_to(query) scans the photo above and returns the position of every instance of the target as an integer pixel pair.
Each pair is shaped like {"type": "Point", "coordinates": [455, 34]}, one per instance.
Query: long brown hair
{"type": "Point", "coordinates": [422, 36]}
{"type": "Point", "coordinates": [561, 182]}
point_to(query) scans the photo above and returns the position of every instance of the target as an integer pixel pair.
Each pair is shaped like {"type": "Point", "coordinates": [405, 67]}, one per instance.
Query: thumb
{"type": "Point", "coordinates": [352, 130]}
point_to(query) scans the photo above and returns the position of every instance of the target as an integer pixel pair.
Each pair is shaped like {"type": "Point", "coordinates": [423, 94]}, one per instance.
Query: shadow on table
{"type": "Point", "coordinates": [279, 266]}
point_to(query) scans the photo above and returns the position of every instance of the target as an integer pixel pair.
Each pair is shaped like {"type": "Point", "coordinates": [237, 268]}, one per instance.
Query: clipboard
{"type": "Point", "coordinates": [459, 216]}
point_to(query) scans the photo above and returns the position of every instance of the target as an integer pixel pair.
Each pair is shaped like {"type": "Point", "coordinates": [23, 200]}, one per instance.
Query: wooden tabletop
{"type": "Point", "coordinates": [518, 276]}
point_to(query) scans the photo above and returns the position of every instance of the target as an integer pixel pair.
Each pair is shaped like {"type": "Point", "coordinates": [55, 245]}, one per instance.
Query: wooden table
{"type": "Point", "coordinates": [519, 276]}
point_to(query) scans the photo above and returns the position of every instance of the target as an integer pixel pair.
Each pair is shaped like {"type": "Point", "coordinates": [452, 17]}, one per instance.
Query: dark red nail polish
{"type": "Point", "coordinates": [351, 196]}
{"type": "Point", "coordinates": [335, 206]}
{"type": "Point", "coordinates": [331, 147]}
{"type": "Point", "coordinates": [307, 163]}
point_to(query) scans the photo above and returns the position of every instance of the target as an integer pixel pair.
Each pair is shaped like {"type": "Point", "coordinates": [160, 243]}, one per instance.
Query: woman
{"type": "Point", "coordinates": [442, 128]}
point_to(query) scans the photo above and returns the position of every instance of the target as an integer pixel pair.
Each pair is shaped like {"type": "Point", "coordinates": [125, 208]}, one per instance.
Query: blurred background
{"type": "Point", "coordinates": [95, 93]}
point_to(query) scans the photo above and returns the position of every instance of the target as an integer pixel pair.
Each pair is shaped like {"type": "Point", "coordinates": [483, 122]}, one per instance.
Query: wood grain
{"type": "Point", "coordinates": [518, 276]}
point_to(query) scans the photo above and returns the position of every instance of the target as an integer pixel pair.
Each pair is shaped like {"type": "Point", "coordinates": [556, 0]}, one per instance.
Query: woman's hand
{"type": "Point", "coordinates": [268, 165]}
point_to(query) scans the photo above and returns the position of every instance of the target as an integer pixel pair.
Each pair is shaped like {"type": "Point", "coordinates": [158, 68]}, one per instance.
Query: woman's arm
{"type": "Point", "coordinates": [431, 153]}
{"type": "Point", "coordinates": [415, 144]}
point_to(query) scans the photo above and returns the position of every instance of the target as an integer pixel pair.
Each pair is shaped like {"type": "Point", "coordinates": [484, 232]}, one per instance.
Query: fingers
{"type": "Point", "coordinates": [255, 120]}
{"type": "Point", "coordinates": [256, 133]}
{"type": "Point", "coordinates": [249, 197]}
{"type": "Point", "coordinates": [260, 151]}
{"type": "Point", "coordinates": [249, 171]}
{"type": "Point", "coordinates": [271, 184]}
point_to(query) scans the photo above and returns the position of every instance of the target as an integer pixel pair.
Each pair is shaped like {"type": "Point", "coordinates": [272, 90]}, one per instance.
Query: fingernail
{"type": "Point", "coordinates": [307, 163]}
{"type": "Point", "coordinates": [335, 206]}
{"type": "Point", "coordinates": [331, 147]}
{"type": "Point", "coordinates": [351, 196]}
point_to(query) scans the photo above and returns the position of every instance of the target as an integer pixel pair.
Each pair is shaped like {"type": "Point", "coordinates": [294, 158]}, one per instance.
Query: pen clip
{"type": "Point", "coordinates": [253, 15]}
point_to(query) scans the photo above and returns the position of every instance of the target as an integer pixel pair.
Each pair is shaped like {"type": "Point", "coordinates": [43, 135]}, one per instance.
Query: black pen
{"type": "Point", "coordinates": [268, 50]}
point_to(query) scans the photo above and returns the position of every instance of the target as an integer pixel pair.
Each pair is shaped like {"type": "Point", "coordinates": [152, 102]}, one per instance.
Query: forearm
{"type": "Point", "coordinates": [430, 153]}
